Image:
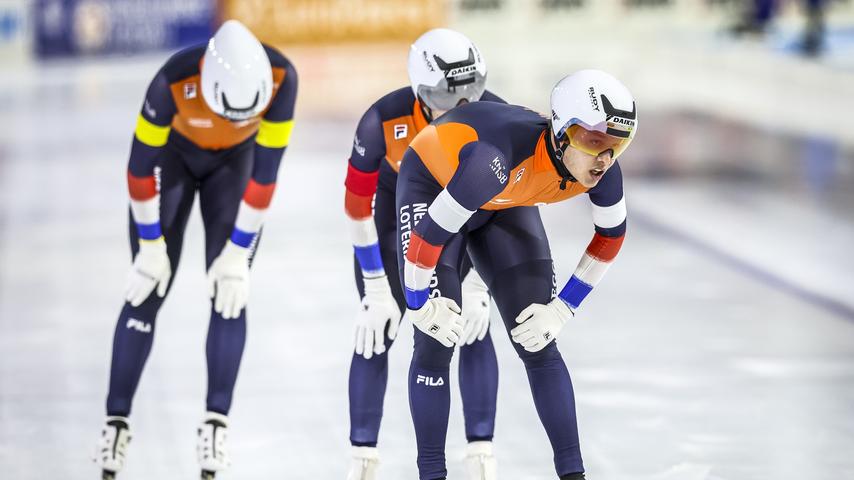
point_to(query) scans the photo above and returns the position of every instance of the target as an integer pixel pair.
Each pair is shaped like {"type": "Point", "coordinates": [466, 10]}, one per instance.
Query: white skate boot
{"type": "Point", "coordinates": [364, 463]}
{"type": "Point", "coordinates": [112, 447]}
{"type": "Point", "coordinates": [480, 462]}
{"type": "Point", "coordinates": [211, 449]}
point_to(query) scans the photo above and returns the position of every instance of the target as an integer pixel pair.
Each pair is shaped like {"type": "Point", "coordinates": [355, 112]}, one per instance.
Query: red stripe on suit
{"type": "Point", "coordinates": [422, 253]}
{"type": "Point", "coordinates": [358, 207]}
{"type": "Point", "coordinates": [361, 183]}
{"type": "Point", "coordinates": [604, 248]}
{"type": "Point", "coordinates": [141, 188]}
{"type": "Point", "coordinates": [257, 195]}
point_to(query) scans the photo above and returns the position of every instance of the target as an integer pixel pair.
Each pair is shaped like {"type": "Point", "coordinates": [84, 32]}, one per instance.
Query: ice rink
{"type": "Point", "coordinates": [720, 346]}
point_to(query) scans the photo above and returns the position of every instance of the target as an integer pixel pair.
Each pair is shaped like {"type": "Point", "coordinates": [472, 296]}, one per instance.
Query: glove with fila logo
{"type": "Point", "coordinates": [228, 280]}
{"type": "Point", "coordinates": [150, 269]}
{"type": "Point", "coordinates": [540, 324]}
{"type": "Point", "coordinates": [378, 309]}
{"type": "Point", "coordinates": [439, 318]}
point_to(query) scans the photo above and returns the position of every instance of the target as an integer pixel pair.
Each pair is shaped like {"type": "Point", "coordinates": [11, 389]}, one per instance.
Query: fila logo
{"type": "Point", "coordinates": [189, 90]}
{"type": "Point", "coordinates": [138, 325]}
{"type": "Point", "coordinates": [434, 328]}
{"type": "Point", "coordinates": [519, 175]}
{"type": "Point", "coordinates": [429, 381]}
{"type": "Point", "coordinates": [547, 336]}
{"type": "Point", "coordinates": [400, 131]}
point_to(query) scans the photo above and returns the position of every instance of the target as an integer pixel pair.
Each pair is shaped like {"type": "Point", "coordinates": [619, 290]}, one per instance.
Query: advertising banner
{"type": "Point", "coordinates": [92, 27]}
{"type": "Point", "coordinates": [330, 21]}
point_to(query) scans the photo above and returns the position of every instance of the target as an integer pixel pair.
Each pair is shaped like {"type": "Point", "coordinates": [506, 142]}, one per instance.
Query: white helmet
{"type": "Point", "coordinates": [445, 67]}
{"type": "Point", "coordinates": [237, 81]}
{"type": "Point", "coordinates": [595, 101]}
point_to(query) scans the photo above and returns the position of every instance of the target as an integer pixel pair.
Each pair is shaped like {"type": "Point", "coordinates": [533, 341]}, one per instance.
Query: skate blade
{"type": "Point", "coordinates": [208, 475]}
{"type": "Point", "coordinates": [108, 475]}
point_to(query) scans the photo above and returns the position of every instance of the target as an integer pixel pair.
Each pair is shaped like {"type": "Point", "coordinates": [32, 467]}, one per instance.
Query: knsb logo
{"type": "Point", "coordinates": [148, 110]}
{"type": "Point", "coordinates": [498, 170]}
{"type": "Point", "coordinates": [138, 325]}
{"type": "Point", "coordinates": [429, 381]}
{"type": "Point", "coordinates": [358, 146]}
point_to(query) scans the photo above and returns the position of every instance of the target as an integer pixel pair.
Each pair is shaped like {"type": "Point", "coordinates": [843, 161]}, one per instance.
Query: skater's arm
{"type": "Point", "coordinates": [272, 139]}
{"type": "Point", "coordinates": [481, 175]}
{"type": "Point", "coordinates": [361, 184]}
{"type": "Point", "coordinates": [151, 133]}
{"type": "Point", "coordinates": [609, 219]}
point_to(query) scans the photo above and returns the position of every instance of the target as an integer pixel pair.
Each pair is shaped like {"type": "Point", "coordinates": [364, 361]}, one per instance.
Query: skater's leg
{"type": "Point", "coordinates": [429, 380]}
{"type": "Point", "coordinates": [429, 393]}
{"type": "Point", "coordinates": [368, 377]}
{"type": "Point", "coordinates": [512, 255]}
{"type": "Point", "coordinates": [220, 193]}
{"type": "Point", "coordinates": [478, 371]}
{"type": "Point", "coordinates": [135, 327]}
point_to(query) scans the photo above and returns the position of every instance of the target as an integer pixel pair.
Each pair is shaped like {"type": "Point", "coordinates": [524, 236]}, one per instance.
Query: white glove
{"type": "Point", "coordinates": [475, 308]}
{"type": "Point", "coordinates": [228, 280]}
{"type": "Point", "coordinates": [150, 269]}
{"type": "Point", "coordinates": [378, 309]}
{"type": "Point", "coordinates": [540, 324]}
{"type": "Point", "coordinates": [439, 318]}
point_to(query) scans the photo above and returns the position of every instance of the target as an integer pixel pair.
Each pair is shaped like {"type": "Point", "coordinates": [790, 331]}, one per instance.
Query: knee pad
{"type": "Point", "coordinates": [431, 354]}
{"type": "Point", "coordinates": [544, 357]}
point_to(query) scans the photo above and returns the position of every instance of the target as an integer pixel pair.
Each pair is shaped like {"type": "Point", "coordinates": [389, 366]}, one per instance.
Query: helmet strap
{"type": "Point", "coordinates": [556, 156]}
{"type": "Point", "coordinates": [425, 110]}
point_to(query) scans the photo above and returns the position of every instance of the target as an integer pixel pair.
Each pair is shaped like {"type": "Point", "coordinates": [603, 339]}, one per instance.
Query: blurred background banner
{"type": "Point", "coordinates": [88, 27]}
{"type": "Point", "coordinates": [331, 21]}
{"type": "Point", "coordinates": [14, 34]}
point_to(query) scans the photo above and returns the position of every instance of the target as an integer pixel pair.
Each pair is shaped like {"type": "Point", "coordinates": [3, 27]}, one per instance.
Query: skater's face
{"type": "Point", "coordinates": [588, 169]}
{"type": "Point", "coordinates": [588, 154]}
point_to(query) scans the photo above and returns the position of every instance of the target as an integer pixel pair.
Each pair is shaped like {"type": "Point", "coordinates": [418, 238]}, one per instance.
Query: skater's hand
{"type": "Point", "coordinates": [540, 324]}
{"type": "Point", "coordinates": [475, 308]}
{"type": "Point", "coordinates": [377, 310]}
{"type": "Point", "coordinates": [439, 318]}
{"type": "Point", "coordinates": [150, 269]}
{"type": "Point", "coordinates": [228, 280]}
